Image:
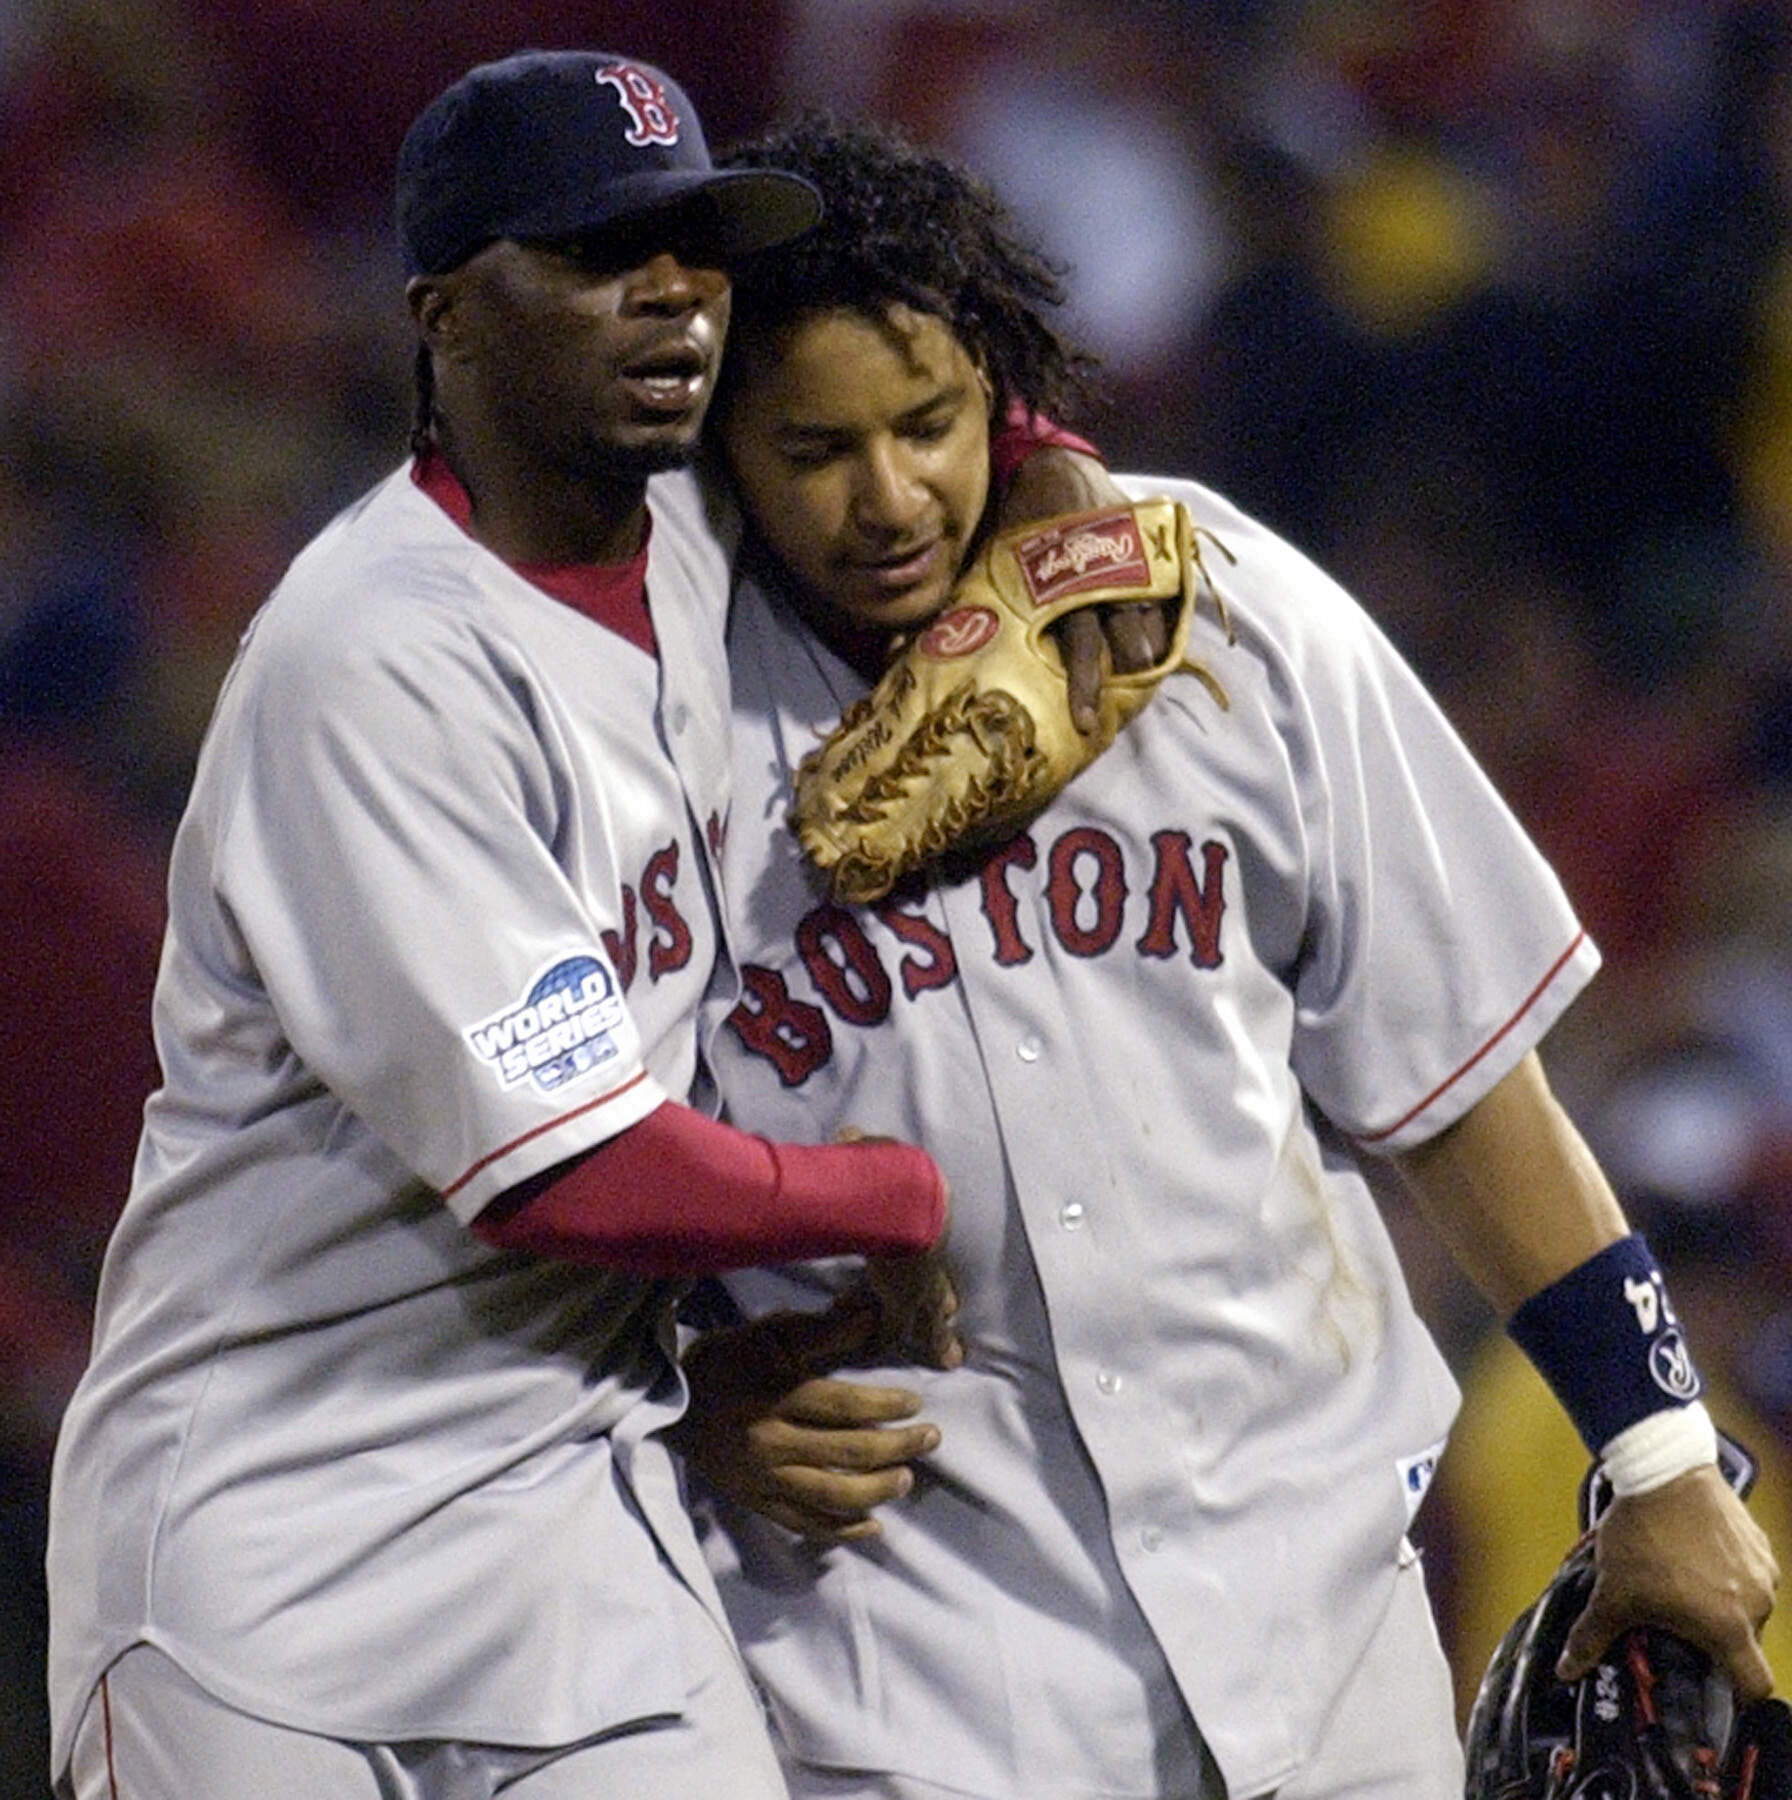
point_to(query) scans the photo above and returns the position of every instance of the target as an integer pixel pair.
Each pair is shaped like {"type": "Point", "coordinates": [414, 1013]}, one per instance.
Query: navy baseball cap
{"type": "Point", "coordinates": [566, 143]}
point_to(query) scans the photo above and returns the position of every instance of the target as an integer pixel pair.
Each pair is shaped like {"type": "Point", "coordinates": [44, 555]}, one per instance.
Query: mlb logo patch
{"type": "Point", "coordinates": [1416, 1474]}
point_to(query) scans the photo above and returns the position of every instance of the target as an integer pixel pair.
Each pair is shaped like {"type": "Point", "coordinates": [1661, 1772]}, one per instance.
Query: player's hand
{"type": "Point", "coordinates": [1056, 479]}
{"type": "Point", "coordinates": [917, 1308]}
{"type": "Point", "coordinates": [767, 1429]}
{"type": "Point", "coordinates": [915, 1300]}
{"type": "Point", "coordinates": [1120, 639]}
{"type": "Point", "coordinates": [1686, 1557]}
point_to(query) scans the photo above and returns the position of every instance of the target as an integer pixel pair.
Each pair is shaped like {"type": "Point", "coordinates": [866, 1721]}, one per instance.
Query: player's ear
{"type": "Point", "coordinates": [431, 299]}
{"type": "Point", "coordinates": [988, 386]}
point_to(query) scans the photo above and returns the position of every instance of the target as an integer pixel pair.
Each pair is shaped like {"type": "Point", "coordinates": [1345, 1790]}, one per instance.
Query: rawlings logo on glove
{"type": "Point", "coordinates": [968, 734]}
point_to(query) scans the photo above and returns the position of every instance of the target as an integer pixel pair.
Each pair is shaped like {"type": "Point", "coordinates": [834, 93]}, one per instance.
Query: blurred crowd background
{"type": "Point", "coordinates": [1485, 303]}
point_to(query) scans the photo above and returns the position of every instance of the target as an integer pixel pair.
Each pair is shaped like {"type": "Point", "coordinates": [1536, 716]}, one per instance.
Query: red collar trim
{"type": "Point", "coordinates": [613, 596]}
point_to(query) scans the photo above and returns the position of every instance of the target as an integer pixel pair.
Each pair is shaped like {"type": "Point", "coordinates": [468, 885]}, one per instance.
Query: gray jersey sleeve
{"type": "Point", "coordinates": [388, 865]}
{"type": "Point", "coordinates": [1438, 945]}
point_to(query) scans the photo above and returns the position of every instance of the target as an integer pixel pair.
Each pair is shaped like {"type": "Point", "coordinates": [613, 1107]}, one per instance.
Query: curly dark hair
{"type": "Point", "coordinates": [903, 226]}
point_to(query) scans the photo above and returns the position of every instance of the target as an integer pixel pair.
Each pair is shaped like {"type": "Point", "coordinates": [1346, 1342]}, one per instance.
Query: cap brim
{"type": "Point", "coordinates": [728, 213]}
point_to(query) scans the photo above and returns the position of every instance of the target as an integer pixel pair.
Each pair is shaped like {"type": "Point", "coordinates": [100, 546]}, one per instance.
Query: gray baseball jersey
{"type": "Point", "coordinates": [440, 916]}
{"type": "Point", "coordinates": [1199, 1408]}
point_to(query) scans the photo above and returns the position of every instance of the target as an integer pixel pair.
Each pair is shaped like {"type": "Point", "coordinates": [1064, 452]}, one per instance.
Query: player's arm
{"type": "Point", "coordinates": [679, 1194]}
{"type": "Point", "coordinates": [1514, 1191]}
{"type": "Point", "coordinates": [1521, 1203]}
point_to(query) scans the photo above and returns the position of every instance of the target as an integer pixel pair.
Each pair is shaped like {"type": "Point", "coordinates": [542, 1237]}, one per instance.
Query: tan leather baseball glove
{"type": "Point", "coordinates": [968, 733]}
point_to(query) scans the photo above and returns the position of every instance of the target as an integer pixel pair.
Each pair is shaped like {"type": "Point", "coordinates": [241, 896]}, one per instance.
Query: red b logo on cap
{"type": "Point", "coordinates": [653, 119]}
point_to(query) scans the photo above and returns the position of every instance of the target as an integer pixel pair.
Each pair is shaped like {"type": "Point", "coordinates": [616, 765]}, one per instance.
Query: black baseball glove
{"type": "Point", "coordinates": [1652, 1720]}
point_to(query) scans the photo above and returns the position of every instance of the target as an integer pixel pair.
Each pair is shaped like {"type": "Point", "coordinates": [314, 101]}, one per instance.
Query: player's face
{"type": "Point", "coordinates": [861, 451]}
{"type": "Point", "coordinates": [590, 355]}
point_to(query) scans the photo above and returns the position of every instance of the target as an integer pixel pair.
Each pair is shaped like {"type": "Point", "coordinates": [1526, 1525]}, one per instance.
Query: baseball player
{"type": "Point", "coordinates": [360, 1494]}
{"type": "Point", "coordinates": [1160, 1549]}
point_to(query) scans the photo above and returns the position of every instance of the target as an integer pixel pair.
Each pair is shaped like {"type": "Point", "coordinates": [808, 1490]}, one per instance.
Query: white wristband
{"type": "Point", "coordinates": [1650, 1453]}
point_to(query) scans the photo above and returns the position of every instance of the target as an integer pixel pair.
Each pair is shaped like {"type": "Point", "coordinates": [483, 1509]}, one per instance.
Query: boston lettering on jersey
{"type": "Point", "coordinates": [669, 943]}
{"type": "Point", "coordinates": [1084, 884]}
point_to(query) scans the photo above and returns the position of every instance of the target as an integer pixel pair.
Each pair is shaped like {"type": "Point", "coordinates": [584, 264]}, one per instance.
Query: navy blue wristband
{"type": "Point", "coordinates": [1606, 1340]}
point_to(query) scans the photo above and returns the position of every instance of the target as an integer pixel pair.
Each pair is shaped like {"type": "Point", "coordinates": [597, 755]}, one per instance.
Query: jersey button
{"type": "Point", "coordinates": [681, 717]}
{"type": "Point", "coordinates": [1071, 1215]}
{"type": "Point", "coordinates": [1108, 1382]}
{"type": "Point", "coordinates": [1151, 1537]}
{"type": "Point", "coordinates": [1028, 1049]}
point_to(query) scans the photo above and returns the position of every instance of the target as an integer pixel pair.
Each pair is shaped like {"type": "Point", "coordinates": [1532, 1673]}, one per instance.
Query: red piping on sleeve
{"type": "Point", "coordinates": [577, 1112]}
{"type": "Point", "coordinates": [1444, 1086]}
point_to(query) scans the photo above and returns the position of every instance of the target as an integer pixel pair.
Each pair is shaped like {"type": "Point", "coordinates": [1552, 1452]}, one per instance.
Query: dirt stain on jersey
{"type": "Point", "coordinates": [1351, 1308]}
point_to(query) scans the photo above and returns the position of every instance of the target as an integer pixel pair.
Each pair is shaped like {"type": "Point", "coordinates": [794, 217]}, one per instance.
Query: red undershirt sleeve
{"type": "Point", "coordinates": [680, 1194]}
{"type": "Point", "coordinates": [1021, 434]}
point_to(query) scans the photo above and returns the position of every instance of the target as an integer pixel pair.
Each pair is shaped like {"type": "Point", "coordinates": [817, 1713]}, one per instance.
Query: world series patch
{"type": "Point", "coordinates": [560, 1030]}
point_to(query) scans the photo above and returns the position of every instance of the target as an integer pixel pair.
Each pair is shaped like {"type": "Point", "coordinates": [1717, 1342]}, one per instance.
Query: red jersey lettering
{"type": "Point", "coordinates": [998, 900]}
{"type": "Point", "coordinates": [671, 945]}
{"type": "Point", "coordinates": [789, 1033]}
{"type": "Point", "coordinates": [941, 964]}
{"type": "Point", "coordinates": [1066, 895]}
{"type": "Point", "coordinates": [619, 946]}
{"type": "Point", "coordinates": [1175, 893]}
{"type": "Point", "coordinates": [853, 981]}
